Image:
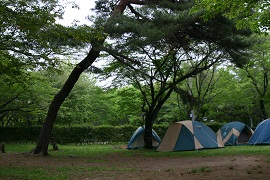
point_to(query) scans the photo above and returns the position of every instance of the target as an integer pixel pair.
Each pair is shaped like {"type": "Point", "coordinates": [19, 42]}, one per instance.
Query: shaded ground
{"type": "Point", "coordinates": [138, 167]}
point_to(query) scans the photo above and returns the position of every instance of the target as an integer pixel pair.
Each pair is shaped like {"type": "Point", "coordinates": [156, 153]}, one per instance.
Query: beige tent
{"type": "Point", "coordinates": [189, 135]}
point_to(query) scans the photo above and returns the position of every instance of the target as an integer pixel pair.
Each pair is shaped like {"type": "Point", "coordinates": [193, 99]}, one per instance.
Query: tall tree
{"type": "Point", "coordinates": [173, 110]}
{"type": "Point", "coordinates": [94, 52]}
{"type": "Point", "coordinates": [86, 104]}
{"type": "Point", "coordinates": [246, 13]}
{"type": "Point", "coordinates": [233, 97]}
{"type": "Point", "coordinates": [31, 36]}
{"type": "Point", "coordinates": [30, 33]}
{"type": "Point", "coordinates": [127, 105]}
{"type": "Point", "coordinates": [21, 101]}
{"type": "Point", "coordinates": [152, 55]}
{"type": "Point", "coordinates": [258, 71]}
{"type": "Point", "coordinates": [96, 46]}
{"type": "Point", "coordinates": [43, 141]}
{"type": "Point", "coordinates": [200, 88]}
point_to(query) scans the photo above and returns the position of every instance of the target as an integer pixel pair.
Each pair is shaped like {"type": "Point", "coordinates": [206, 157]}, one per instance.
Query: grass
{"type": "Point", "coordinates": [62, 172]}
{"type": "Point", "coordinates": [30, 173]}
{"type": "Point", "coordinates": [106, 149]}
{"type": "Point", "coordinates": [93, 152]}
{"type": "Point", "coordinates": [229, 150]}
{"type": "Point", "coordinates": [69, 150]}
{"type": "Point", "coordinates": [53, 173]}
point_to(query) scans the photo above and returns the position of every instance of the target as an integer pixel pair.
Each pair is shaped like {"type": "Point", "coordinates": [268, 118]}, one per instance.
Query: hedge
{"type": "Point", "coordinates": [80, 134]}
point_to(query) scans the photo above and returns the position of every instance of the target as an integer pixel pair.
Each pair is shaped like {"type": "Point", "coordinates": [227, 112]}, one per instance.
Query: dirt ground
{"type": "Point", "coordinates": [148, 168]}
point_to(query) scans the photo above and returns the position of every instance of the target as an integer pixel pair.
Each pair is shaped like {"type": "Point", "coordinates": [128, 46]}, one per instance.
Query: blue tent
{"type": "Point", "coordinates": [234, 133]}
{"type": "Point", "coordinates": [137, 139]}
{"type": "Point", "coordinates": [261, 134]}
{"type": "Point", "coordinates": [189, 135]}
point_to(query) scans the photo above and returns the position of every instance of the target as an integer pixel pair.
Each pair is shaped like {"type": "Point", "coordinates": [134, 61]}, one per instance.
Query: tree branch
{"type": "Point", "coordinates": [144, 2]}
{"type": "Point", "coordinates": [135, 12]}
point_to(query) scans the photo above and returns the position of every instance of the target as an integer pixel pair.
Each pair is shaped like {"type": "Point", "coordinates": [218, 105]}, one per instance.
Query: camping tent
{"type": "Point", "coordinates": [261, 134]}
{"type": "Point", "coordinates": [189, 135]}
{"type": "Point", "coordinates": [137, 139]}
{"type": "Point", "coordinates": [234, 133]}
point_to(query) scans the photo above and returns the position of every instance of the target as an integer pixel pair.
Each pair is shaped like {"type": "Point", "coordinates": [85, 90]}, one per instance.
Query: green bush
{"type": "Point", "coordinates": [160, 129]}
{"type": "Point", "coordinates": [19, 134]}
{"type": "Point", "coordinates": [82, 134]}
{"type": "Point", "coordinates": [215, 126]}
{"type": "Point", "coordinates": [70, 135]}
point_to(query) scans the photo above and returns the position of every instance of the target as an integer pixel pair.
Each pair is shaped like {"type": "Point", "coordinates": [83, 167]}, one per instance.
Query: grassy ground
{"type": "Point", "coordinates": [60, 163]}
{"type": "Point", "coordinates": [101, 150]}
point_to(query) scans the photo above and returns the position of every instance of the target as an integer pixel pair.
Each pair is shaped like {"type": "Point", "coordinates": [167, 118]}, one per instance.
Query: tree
{"type": "Point", "coordinates": [85, 104]}
{"type": "Point", "coordinates": [21, 102]}
{"type": "Point", "coordinates": [97, 42]}
{"type": "Point", "coordinates": [151, 55]}
{"type": "Point", "coordinates": [246, 13]}
{"type": "Point", "coordinates": [94, 52]}
{"type": "Point", "coordinates": [173, 110]}
{"type": "Point", "coordinates": [31, 36]}
{"type": "Point", "coordinates": [200, 88]}
{"type": "Point", "coordinates": [26, 96]}
{"type": "Point", "coordinates": [96, 47]}
{"type": "Point", "coordinates": [30, 33]}
{"type": "Point", "coordinates": [257, 70]}
{"type": "Point", "coordinates": [233, 97]}
{"type": "Point", "coordinates": [127, 106]}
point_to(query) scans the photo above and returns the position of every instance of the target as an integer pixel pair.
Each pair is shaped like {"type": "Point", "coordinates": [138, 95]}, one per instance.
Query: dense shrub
{"type": "Point", "coordinates": [19, 134]}
{"type": "Point", "coordinates": [215, 126]}
{"type": "Point", "coordinates": [161, 129]}
{"type": "Point", "coordinates": [81, 134]}
{"type": "Point", "coordinates": [72, 134]}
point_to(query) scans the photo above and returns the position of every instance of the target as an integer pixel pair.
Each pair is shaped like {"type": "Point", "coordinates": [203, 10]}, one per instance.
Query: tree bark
{"type": "Point", "coordinates": [263, 110]}
{"type": "Point", "coordinates": [54, 144]}
{"type": "Point", "coordinates": [44, 136]}
{"type": "Point", "coordinates": [148, 132]}
{"type": "Point", "coordinates": [2, 148]}
{"type": "Point", "coordinates": [151, 116]}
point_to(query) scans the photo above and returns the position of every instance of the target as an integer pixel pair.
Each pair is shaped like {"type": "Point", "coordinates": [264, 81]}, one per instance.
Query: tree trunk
{"type": "Point", "coordinates": [2, 148]}
{"type": "Point", "coordinates": [54, 144]}
{"type": "Point", "coordinates": [148, 136]}
{"type": "Point", "coordinates": [263, 110]}
{"type": "Point", "coordinates": [151, 116]}
{"type": "Point", "coordinates": [44, 136]}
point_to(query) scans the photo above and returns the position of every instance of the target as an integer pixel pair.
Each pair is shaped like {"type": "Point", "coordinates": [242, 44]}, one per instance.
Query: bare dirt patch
{"type": "Point", "coordinates": [139, 167]}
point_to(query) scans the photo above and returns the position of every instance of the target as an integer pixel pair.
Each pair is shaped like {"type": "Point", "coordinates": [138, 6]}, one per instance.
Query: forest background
{"type": "Point", "coordinates": [29, 80]}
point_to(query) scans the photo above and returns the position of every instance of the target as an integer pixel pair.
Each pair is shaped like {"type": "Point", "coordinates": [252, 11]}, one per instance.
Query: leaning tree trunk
{"type": "Point", "coordinates": [44, 136]}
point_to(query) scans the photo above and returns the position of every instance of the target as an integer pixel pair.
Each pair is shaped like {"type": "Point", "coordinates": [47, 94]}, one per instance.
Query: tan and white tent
{"type": "Point", "coordinates": [234, 133]}
{"type": "Point", "coordinates": [189, 135]}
